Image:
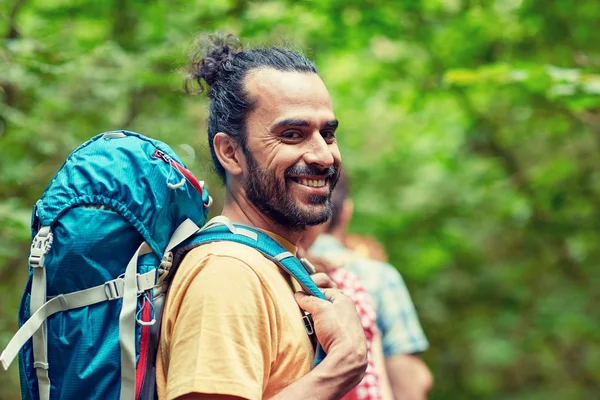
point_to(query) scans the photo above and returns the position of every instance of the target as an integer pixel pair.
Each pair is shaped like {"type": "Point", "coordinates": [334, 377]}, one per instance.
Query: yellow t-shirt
{"type": "Point", "coordinates": [231, 326]}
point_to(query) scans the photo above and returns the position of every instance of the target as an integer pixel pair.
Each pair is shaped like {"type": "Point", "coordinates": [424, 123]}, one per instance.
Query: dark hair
{"type": "Point", "coordinates": [222, 64]}
{"type": "Point", "coordinates": [340, 193]}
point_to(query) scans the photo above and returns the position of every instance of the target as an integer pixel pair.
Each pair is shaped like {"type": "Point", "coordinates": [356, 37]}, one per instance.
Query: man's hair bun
{"type": "Point", "coordinates": [211, 56]}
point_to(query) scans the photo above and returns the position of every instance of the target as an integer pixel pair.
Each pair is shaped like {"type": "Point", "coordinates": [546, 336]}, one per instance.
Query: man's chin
{"type": "Point", "coordinates": [315, 222]}
{"type": "Point", "coordinates": [318, 200]}
{"type": "Point", "coordinates": [313, 217]}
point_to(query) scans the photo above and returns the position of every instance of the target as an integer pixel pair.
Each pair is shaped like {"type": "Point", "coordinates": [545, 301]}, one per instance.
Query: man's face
{"type": "Point", "coordinates": [292, 157]}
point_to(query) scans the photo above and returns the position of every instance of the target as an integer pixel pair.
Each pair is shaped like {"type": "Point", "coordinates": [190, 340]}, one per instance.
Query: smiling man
{"type": "Point", "coordinates": [232, 325]}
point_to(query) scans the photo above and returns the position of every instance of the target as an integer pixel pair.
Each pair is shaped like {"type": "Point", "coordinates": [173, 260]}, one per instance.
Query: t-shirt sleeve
{"type": "Point", "coordinates": [222, 340]}
{"type": "Point", "coordinates": [401, 332]}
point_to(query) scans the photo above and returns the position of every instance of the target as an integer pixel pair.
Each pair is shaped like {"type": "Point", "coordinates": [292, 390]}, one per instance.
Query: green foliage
{"type": "Point", "coordinates": [470, 128]}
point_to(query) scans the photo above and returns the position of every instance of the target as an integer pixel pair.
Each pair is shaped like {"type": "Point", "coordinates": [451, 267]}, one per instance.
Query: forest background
{"type": "Point", "coordinates": [470, 128]}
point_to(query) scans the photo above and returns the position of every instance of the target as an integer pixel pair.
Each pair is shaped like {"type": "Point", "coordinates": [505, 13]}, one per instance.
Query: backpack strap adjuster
{"type": "Point", "coordinates": [40, 364]}
{"type": "Point", "coordinates": [40, 246]}
{"type": "Point", "coordinates": [308, 324]}
{"type": "Point", "coordinates": [111, 289]}
{"type": "Point", "coordinates": [308, 266]}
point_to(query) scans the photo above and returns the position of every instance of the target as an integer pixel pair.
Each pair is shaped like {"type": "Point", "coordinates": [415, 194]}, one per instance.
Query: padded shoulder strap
{"type": "Point", "coordinates": [216, 232]}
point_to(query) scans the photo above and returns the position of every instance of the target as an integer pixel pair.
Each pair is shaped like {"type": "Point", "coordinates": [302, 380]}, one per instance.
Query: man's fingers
{"type": "Point", "coordinates": [323, 281]}
{"type": "Point", "coordinates": [314, 304]}
{"type": "Point", "coordinates": [334, 295]}
{"type": "Point", "coordinates": [308, 303]}
{"type": "Point", "coordinates": [321, 265]}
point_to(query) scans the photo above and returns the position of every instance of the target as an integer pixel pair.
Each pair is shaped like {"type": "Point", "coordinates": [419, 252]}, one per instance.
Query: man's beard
{"type": "Point", "coordinates": [271, 197]}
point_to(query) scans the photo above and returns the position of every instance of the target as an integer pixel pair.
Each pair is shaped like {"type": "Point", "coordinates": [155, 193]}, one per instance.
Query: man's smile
{"type": "Point", "coordinates": [311, 186]}
{"type": "Point", "coordinates": [311, 181]}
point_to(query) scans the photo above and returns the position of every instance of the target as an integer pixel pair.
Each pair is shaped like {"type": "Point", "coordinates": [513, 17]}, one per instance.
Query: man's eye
{"type": "Point", "coordinates": [291, 135]}
{"type": "Point", "coordinates": [328, 135]}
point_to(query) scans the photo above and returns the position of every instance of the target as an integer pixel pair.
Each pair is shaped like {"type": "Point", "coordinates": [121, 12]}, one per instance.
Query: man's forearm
{"type": "Point", "coordinates": [331, 379]}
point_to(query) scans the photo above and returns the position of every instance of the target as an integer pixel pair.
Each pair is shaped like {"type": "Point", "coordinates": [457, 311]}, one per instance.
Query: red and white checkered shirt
{"type": "Point", "coordinates": [370, 387]}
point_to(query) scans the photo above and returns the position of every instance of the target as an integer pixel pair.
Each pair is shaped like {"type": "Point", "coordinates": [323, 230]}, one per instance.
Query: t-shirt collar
{"type": "Point", "coordinates": [286, 244]}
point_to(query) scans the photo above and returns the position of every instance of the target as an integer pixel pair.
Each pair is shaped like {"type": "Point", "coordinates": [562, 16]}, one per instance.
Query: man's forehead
{"type": "Point", "coordinates": [277, 90]}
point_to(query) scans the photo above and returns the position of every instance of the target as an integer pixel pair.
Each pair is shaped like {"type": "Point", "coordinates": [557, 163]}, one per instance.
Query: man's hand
{"type": "Point", "coordinates": [322, 265]}
{"type": "Point", "coordinates": [323, 281]}
{"type": "Point", "coordinates": [338, 327]}
{"type": "Point", "coordinates": [339, 331]}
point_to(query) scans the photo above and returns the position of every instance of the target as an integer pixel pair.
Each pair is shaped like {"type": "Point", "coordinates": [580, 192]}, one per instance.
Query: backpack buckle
{"type": "Point", "coordinates": [164, 268]}
{"type": "Point", "coordinates": [308, 324]}
{"type": "Point", "coordinates": [111, 289]}
{"type": "Point", "coordinates": [40, 246]}
{"type": "Point", "coordinates": [308, 266]}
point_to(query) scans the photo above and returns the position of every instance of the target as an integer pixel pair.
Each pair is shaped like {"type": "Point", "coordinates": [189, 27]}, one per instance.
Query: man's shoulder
{"type": "Point", "coordinates": [231, 252]}
{"type": "Point", "coordinates": [225, 262]}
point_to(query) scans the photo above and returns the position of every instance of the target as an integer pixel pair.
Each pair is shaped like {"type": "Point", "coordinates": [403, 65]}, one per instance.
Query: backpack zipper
{"type": "Point", "coordinates": [186, 173]}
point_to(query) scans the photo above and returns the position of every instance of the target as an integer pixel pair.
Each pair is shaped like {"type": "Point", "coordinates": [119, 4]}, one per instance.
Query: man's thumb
{"type": "Point", "coordinates": [310, 304]}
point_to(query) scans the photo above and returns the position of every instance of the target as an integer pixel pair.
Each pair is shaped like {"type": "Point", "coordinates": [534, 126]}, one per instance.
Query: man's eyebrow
{"type": "Point", "coordinates": [331, 124]}
{"type": "Point", "coordinates": [291, 122]}
{"type": "Point", "coordinates": [302, 123]}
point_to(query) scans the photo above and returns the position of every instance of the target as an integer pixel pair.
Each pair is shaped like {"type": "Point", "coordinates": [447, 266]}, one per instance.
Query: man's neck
{"type": "Point", "coordinates": [242, 211]}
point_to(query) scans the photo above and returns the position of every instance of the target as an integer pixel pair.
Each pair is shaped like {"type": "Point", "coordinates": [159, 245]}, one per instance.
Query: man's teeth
{"type": "Point", "coordinates": [313, 182]}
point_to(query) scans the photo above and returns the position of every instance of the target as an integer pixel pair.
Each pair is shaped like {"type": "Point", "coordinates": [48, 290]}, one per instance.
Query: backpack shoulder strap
{"type": "Point", "coordinates": [221, 229]}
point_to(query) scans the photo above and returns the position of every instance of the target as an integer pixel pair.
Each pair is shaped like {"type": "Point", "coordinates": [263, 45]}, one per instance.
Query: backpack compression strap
{"type": "Point", "coordinates": [127, 287]}
{"type": "Point", "coordinates": [221, 229]}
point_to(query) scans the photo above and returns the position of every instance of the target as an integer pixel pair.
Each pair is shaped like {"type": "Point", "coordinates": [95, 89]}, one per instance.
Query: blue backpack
{"type": "Point", "coordinates": [108, 233]}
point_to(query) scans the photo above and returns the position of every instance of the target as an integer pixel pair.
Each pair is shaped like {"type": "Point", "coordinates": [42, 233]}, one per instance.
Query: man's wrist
{"type": "Point", "coordinates": [341, 369]}
{"type": "Point", "coordinates": [335, 376]}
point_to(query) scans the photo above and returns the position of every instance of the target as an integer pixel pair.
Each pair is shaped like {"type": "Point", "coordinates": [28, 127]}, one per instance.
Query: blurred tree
{"type": "Point", "coordinates": [471, 130]}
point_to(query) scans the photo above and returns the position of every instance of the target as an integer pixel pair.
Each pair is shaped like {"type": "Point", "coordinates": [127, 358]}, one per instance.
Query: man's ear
{"type": "Point", "coordinates": [226, 149]}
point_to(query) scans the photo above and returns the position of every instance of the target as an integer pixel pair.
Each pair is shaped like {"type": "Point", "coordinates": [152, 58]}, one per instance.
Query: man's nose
{"type": "Point", "coordinates": [319, 152]}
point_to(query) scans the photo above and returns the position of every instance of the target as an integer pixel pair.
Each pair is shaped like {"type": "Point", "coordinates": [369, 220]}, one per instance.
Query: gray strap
{"type": "Point", "coordinates": [39, 248]}
{"type": "Point", "coordinates": [114, 289]}
{"type": "Point", "coordinates": [219, 220]}
{"type": "Point", "coordinates": [40, 350]}
{"type": "Point", "coordinates": [127, 322]}
{"type": "Point", "coordinates": [183, 231]}
{"type": "Point", "coordinates": [282, 256]}
{"type": "Point", "coordinates": [110, 290]}
{"type": "Point", "coordinates": [223, 220]}
{"type": "Point", "coordinates": [32, 325]}
{"type": "Point", "coordinates": [146, 281]}
{"type": "Point", "coordinates": [114, 135]}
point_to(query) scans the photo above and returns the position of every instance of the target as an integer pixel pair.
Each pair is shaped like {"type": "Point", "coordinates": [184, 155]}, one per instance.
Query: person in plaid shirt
{"type": "Point", "coordinates": [374, 385]}
{"type": "Point", "coordinates": [401, 333]}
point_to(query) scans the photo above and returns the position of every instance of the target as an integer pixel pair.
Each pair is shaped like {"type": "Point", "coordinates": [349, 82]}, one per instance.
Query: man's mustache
{"type": "Point", "coordinates": [305, 170]}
